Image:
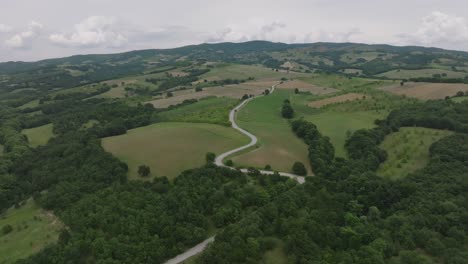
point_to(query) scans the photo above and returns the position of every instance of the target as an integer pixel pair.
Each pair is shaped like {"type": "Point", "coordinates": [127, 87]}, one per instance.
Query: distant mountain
{"type": "Point", "coordinates": [377, 61]}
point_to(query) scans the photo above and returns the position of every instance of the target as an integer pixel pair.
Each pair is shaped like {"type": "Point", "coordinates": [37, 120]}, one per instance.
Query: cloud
{"type": "Point", "coordinates": [5, 28]}
{"type": "Point", "coordinates": [439, 29]}
{"type": "Point", "coordinates": [95, 31]}
{"type": "Point", "coordinates": [23, 40]}
{"type": "Point", "coordinates": [254, 30]}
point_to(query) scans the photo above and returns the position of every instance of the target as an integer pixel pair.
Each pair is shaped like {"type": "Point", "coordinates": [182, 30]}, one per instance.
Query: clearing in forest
{"type": "Point", "coordinates": [408, 150]}
{"type": "Point", "coordinates": [32, 230]}
{"type": "Point", "coordinates": [426, 91]}
{"type": "Point", "coordinates": [170, 148]}
{"type": "Point", "coordinates": [337, 99]}
{"type": "Point", "coordinates": [39, 136]}
{"type": "Point", "coordinates": [277, 144]}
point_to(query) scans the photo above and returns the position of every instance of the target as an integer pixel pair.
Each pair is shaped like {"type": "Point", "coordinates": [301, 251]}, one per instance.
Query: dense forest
{"type": "Point", "coordinates": [350, 215]}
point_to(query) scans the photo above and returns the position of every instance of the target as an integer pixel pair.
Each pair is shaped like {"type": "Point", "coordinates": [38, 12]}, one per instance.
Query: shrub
{"type": "Point", "coordinates": [298, 168]}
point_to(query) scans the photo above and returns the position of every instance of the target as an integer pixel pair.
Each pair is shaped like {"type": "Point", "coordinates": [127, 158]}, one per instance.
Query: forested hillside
{"type": "Point", "coordinates": [94, 151]}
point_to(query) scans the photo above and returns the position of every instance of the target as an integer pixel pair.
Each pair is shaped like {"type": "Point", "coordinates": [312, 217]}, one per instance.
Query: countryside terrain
{"type": "Point", "coordinates": [111, 158]}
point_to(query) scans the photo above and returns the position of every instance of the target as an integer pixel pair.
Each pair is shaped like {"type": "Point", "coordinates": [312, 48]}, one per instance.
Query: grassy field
{"type": "Point", "coordinates": [278, 146]}
{"type": "Point", "coordinates": [406, 74]}
{"type": "Point", "coordinates": [214, 110]}
{"type": "Point", "coordinates": [1, 149]}
{"type": "Point", "coordinates": [408, 150]}
{"type": "Point", "coordinates": [337, 99]}
{"type": "Point", "coordinates": [342, 82]}
{"type": "Point", "coordinates": [33, 229]}
{"type": "Point", "coordinates": [170, 148]}
{"type": "Point", "coordinates": [31, 104]}
{"type": "Point", "coordinates": [232, 91]}
{"type": "Point", "coordinates": [39, 135]}
{"type": "Point", "coordinates": [337, 124]}
{"type": "Point", "coordinates": [238, 71]}
{"type": "Point", "coordinates": [427, 91]}
{"type": "Point", "coordinates": [459, 99]}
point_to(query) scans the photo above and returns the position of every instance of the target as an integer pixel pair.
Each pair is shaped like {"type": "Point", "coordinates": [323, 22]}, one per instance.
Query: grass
{"type": "Point", "coordinates": [39, 135]}
{"type": "Point", "coordinates": [31, 104]}
{"type": "Point", "coordinates": [337, 124]}
{"type": "Point", "coordinates": [277, 145]}
{"type": "Point", "coordinates": [408, 150]}
{"type": "Point", "coordinates": [33, 229]}
{"type": "Point", "coordinates": [341, 81]}
{"type": "Point", "coordinates": [407, 74]}
{"type": "Point", "coordinates": [459, 99]}
{"type": "Point", "coordinates": [213, 110]}
{"type": "Point", "coordinates": [238, 71]}
{"type": "Point", "coordinates": [2, 148]}
{"type": "Point", "coordinates": [170, 148]}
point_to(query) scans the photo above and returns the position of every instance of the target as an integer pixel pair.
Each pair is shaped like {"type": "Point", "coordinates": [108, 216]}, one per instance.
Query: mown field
{"type": "Point", "coordinates": [427, 73]}
{"type": "Point", "coordinates": [277, 146]}
{"type": "Point", "coordinates": [339, 125]}
{"type": "Point", "coordinates": [213, 110]}
{"type": "Point", "coordinates": [33, 229]}
{"type": "Point", "coordinates": [408, 150]}
{"type": "Point", "coordinates": [426, 91]}
{"type": "Point", "coordinates": [239, 71]}
{"type": "Point", "coordinates": [231, 91]}
{"type": "Point", "coordinates": [170, 148]}
{"type": "Point", "coordinates": [39, 136]}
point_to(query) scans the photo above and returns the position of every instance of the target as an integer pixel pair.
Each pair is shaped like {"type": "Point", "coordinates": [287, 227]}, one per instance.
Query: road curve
{"type": "Point", "coordinates": [219, 162]}
{"type": "Point", "coordinates": [191, 252]}
{"type": "Point", "coordinates": [253, 140]}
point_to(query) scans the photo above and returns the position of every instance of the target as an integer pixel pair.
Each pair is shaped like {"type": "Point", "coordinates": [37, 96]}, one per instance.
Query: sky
{"type": "Point", "coordinates": [39, 29]}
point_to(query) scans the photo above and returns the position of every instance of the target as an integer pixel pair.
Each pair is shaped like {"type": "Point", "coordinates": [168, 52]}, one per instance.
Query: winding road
{"type": "Point", "coordinates": [253, 140]}
{"type": "Point", "coordinates": [219, 162]}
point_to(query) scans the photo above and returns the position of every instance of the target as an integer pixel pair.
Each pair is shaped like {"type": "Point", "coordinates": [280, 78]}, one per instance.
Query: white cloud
{"type": "Point", "coordinates": [439, 29]}
{"type": "Point", "coordinates": [24, 39]}
{"type": "Point", "coordinates": [253, 30]}
{"type": "Point", "coordinates": [5, 28]}
{"type": "Point", "coordinates": [95, 31]}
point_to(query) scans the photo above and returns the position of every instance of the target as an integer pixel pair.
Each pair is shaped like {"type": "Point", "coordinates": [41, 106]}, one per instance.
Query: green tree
{"type": "Point", "coordinates": [210, 157]}
{"type": "Point", "coordinates": [144, 170]}
{"type": "Point", "coordinates": [298, 168]}
{"type": "Point", "coordinates": [7, 229]}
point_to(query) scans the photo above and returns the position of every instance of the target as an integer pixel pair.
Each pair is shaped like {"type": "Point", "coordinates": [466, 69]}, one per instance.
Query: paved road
{"type": "Point", "coordinates": [219, 162]}
{"type": "Point", "coordinates": [191, 252]}
{"type": "Point", "coordinates": [253, 141]}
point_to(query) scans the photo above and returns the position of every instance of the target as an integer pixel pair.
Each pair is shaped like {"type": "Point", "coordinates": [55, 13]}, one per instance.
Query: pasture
{"type": "Point", "coordinates": [427, 73]}
{"type": "Point", "coordinates": [339, 125]}
{"type": "Point", "coordinates": [337, 99]}
{"type": "Point", "coordinates": [39, 136]}
{"type": "Point", "coordinates": [170, 148]}
{"type": "Point", "coordinates": [305, 87]}
{"type": "Point", "coordinates": [235, 91]}
{"type": "Point", "coordinates": [213, 110]}
{"type": "Point", "coordinates": [277, 144]}
{"type": "Point", "coordinates": [31, 104]}
{"type": "Point", "coordinates": [240, 71]}
{"type": "Point", "coordinates": [408, 150]}
{"type": "Point", "coordinates": [426, 91]}
{"type": "Point", "coordinates": [33, 229]}
{"type": "Point", "coordinates": [342, 82]}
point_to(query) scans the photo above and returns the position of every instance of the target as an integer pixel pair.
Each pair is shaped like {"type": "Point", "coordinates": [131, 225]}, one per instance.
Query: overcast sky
{"type": "Point", "coordinates": [39, 29]}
